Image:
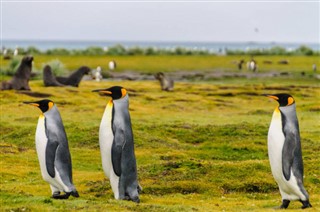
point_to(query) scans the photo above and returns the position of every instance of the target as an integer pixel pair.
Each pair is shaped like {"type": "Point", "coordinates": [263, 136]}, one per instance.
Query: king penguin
{"type": "Point", "coordinates": [284, 150]}
{"type": "Point", "coordinates": [117, 145]}
{"type": "Point", "coordinates": [53, 151]}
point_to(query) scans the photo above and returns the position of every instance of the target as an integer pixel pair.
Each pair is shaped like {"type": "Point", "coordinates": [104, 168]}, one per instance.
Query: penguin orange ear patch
{"type": "Point", "coordinates": [50, 105]}
{"type": "Point", "coordinates": [123, 91]}
{"type": "Point", "coordinates": [290, 101]}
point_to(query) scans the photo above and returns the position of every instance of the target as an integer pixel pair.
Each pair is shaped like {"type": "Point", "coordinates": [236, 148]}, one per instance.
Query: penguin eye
{"type": "Point", "coordinates": [290, 101]}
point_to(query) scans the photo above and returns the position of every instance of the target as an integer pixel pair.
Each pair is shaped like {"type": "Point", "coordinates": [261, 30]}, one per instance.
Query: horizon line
{"type": "Point", "coordinates": [155, 41]}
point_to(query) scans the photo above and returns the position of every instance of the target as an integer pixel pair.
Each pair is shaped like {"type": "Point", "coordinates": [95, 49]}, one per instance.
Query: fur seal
{"type": "Point", "coordinates": [75, 77]}
{"type": "Point", "coordinates": [48, 77]}
{"type": "Point", "coordinates": [165, 82]}
{"type": "Point", "coordinates": [20, 80]}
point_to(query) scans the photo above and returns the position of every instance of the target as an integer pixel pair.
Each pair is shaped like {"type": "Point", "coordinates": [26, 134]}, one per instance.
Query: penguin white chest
{"type": "Point", "coordinates": [275, 145]}
{"type": "Point", "coordinates": [106, 140]}
{"type": "Point", "coordinates": [41, 144]}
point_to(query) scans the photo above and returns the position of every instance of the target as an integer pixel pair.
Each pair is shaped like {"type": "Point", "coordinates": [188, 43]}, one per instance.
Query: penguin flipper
{"type": "Point", "coordinates": [116, 151]}
{"type": "Point", "coordinates": [50, 157]}
{"type": "Point", "coordinates": [289, 147]}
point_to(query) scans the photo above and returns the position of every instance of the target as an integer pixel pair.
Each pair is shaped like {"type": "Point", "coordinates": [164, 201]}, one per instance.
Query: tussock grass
{"type": "Point", "coordinates": [202, 147]}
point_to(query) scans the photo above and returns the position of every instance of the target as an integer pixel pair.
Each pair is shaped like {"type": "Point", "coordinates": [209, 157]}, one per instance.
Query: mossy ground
{"type": "Point", "coordinates": [202, 147]}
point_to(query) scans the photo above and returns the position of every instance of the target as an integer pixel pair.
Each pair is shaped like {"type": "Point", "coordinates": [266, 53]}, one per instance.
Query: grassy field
{"type": "Point", "coordinates": [152, 64]}
{"type": "Point", "coordinates": [202, 147]}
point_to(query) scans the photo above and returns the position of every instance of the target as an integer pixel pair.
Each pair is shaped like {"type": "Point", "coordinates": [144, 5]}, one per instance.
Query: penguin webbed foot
{"type": "Point", "coordinates": [305, 204]}
{"type": "Point", "coordinates": [136, 199]}
{"type": "Point", "coordinates": [133, 199]}
{"type": "Point", "coordinates": [75, 193]}
{"type": "Point", "coordinates": [285, 204]}
{"type": "Point", "coordinates": [57, 195]}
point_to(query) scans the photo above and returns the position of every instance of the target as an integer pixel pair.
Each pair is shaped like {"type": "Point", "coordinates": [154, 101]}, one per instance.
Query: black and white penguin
{"type": "Point", "coordinates": [252, 65]}
{"type": "Point", "coordinates": [284, 150]}
{"type": "Point", "coordinates": [112, 65]}
{"type": "Point", "coordinates": [53, 150]}
{"type": "Point", "coordinates": [117, 145]}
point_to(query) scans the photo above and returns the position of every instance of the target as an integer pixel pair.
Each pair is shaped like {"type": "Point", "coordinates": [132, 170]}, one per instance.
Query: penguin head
{"type": "Point", "coordinates": [283, 99]}
{"type": "Point", "coordinates": [115, 92]}
{"type": "Point", "coordinates": [44, 105]}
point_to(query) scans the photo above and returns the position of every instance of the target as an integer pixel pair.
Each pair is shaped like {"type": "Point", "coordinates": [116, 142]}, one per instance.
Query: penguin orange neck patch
{"type": "Point", "coordinates": [50, 105]}
{"type": "Point", "coordinates": [124, 92]}
{"type": "Point", "coordinates": [110, 103]}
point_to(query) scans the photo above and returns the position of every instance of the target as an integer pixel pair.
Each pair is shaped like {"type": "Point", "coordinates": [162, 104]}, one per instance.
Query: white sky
{"type": "Point", "coordinates": [278, 21]}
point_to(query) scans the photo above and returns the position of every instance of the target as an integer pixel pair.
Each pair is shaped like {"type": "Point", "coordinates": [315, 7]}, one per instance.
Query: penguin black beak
{"type": "Point", "coordinates": [32, 103]}
{"type": "Point", "coordinates": [271, 96]}
{"type": "Point", "coordinates": [103, 92]}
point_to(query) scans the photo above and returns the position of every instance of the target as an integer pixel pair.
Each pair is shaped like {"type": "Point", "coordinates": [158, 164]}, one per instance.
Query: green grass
{"type": "Point", "coordinates": [202, 147]}
{"type": "Point", "coordinates": [151, 64]}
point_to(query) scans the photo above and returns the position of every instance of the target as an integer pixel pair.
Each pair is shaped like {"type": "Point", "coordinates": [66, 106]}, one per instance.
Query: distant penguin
{"type": "Point", "coordinates": [5, 51]}
{"type": "Point", "coordinates": [16, 52]}
{"type": "Point", "coordinates": [253, 65]}
{"type": "Point", "coordinates": [284, 150]}
{"type": "Point", "coordinates": [117, 145]}
{"type": "Point", "coordinates": [112, 65]}
{"type": "Point", "coordinates": [97, 74]}
{"type": "Point", "coordinates": [5, 54]}
{"type": "Point", "coordinates": [53, 150]}
{"type": "Point", "coordinates": [165, 82]}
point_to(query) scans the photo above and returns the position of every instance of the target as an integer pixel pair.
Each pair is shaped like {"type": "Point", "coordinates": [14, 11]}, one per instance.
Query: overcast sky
{"type": "Point", "coordinates": [267, 21]}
